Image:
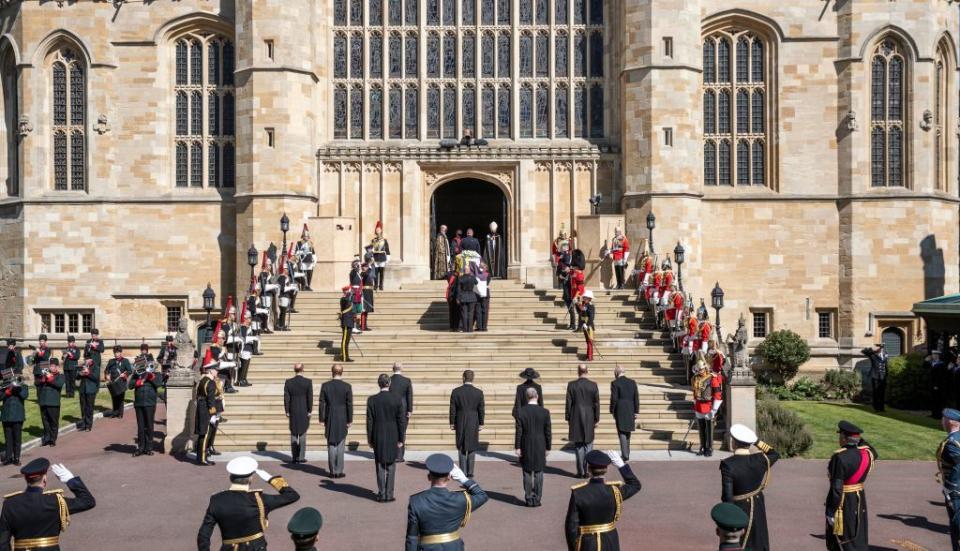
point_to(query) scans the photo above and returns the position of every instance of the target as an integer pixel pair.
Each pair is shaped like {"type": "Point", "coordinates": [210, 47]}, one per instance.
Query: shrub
{"type": "Point", "coordinates": [803, 388]}
{"type": "Point", "coordinates": [782, 429]}
{"type": "Point", "coordinates": [841, 384]}
{"type": "Point", "coordinates": [908, 383]}
{"type": "Point", "coordinates": [783, 353]}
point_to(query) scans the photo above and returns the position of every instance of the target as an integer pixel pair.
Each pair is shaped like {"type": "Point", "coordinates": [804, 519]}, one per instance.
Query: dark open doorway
{"type": "Point", "coordinates": [469, 203]}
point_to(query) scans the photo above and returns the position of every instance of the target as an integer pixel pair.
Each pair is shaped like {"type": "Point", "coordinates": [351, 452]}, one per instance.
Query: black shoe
{"type": "Point", "coordinates": [16, 462]}
{"type": "Point", "coordinates": [390, 499]}
{"type": "Point", "coordinates": [148, 452]}
{"type": "Point", "coordinates": [231, 390]}
{"type": "Point", "coordinates": [54, 444]}
{"type": "Point", "coordinates": [379, 499]}
{"type": "Point", "coordinates": [213, 451]}
{"type": "Point", "coordinates": [349, 360]}
{"type": "Point", "coordinates": [206, 463]}
{"type": "Point", "coordinates": [708, 453]}
{"type": "Point", "coordinates": [137, 453]}
{"type": "Point", "coordinates": [108, 414]}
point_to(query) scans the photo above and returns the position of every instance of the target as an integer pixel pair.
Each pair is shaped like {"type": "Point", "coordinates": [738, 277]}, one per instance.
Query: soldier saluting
{"type": "Point", "coordinates": [948, 464]}
{"type": "Point", "coordinates": [436, 517]}
{"type": "Point", "coordinates": [846, 505]}
{"type": "Point", "coordinates": [744, 476]}
{"type": "Point", "coordinates": [596, 505]}
{"type": "Point", "coordinates": [35, 517]}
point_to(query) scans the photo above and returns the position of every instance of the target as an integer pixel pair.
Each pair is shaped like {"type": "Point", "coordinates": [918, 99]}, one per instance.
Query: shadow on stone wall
{"type": "Point", "coordinates": [933, 268]}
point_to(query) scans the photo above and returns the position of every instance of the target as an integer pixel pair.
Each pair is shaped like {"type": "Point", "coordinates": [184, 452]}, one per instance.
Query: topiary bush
{"type": "Point", "coordinates": [841, 384]}
{"type": "Point", "coordinates": [782, 429]}
{"type": "Point", "coordinates": [783, 353]}
{"type": "Point", "coordinates": [908, 383]}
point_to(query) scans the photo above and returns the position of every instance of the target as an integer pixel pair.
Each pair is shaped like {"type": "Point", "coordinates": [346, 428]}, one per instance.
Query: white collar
{"type": "Point", "coordinates": [467, 383]}
{"type": "Point", "coordinates": [742, 451]}
{"type": "Point", "coordinates": [385, 389]}
{"type": "Point", "coordinates": [532, 402]}
{"type": "Point", "coordinates": [239, 487]}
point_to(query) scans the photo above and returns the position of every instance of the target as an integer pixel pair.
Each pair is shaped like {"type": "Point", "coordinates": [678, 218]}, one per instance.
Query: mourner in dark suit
{"type": "Point", "coordinates": [466, 419]}
{"type": "Point", "coordinates": [520, 400]}
{"type": "Point", "coordinates": [71, 364]}
{"type": "Point", "coordinates": [744, 476]}
{"type": "Point", "coordinates": [12, 415]}
{"type": "Point", "coordinates": [436, 517]}
{"type": "Point", "coordinates": [470, 243]}
{"type": "Point", "coordinates": [241, 513]}
{"type": "Point", "coordinates": [532, 442]}
{"type": "Point", "coordinates": [467, 299]}
{"type": "Point", "coordinates": [298, 406]}
{"type": "Point", "coordinates": [336, 414]}
{"type": "Point", "coordinates": [624, 406]}
{"type": "Point", "coordinates": [878, 374]}
{"type": "Point", "coordinates": [34, 517]}
{"type": "Point", "coordinates": [347, 321]}
{"type": "Point", "coordinates": [582, 413]}
{"type": "Point", "coordinates": [846, 503]}
{"type": "Point", "coordinates": [117, 372]}
{"type": "Point", "coordinates": [89, 377]}
{"type": "Point", "coordinates": [595, 506]}
{"type": "Point", "coordinates": [402, 387]}
{"type": "Point", "coordinates": [48, 398]}
{"type": "Point", "coordinates": [385, 435]}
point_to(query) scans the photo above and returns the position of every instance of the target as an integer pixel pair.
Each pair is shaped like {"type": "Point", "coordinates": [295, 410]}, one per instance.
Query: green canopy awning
{"type": "Point", "coordinates": [941, 314]}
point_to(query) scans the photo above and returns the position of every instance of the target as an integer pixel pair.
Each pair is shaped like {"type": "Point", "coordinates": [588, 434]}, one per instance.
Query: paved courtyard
{"type": "Point", "coordinates": [158, 502]}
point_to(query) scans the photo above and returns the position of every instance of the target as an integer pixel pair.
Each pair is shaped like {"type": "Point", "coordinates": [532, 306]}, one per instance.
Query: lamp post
{"type": "Point", "coordinates": [284, 227]}
{"type": "Point", "coordinates": [716, 300]}
{"type": "Point", "coordinates": [208, 298]}
{"type": "Point", "coordinates": [252, 255]}
{"type": "Point", "coordinates": [651, 223]}
{"type": "Point", "coordinates": [678, 255]}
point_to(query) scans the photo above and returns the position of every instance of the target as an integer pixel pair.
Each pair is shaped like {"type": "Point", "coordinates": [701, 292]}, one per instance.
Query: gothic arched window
{"type": "Point", "coordinates": [942, 94]}
{"type": "Point", "coordinates": [503, 55]}
{"type": "Point", "coordinates": [394, 111]}
{"type": "Point", "coordinates": [69, 96]}
{"type": "Point", "coordinates": [487, 112]}
{"type": "Point", "coordinates": [888, 78]}
{"type": "Point", "coordinates": [526, 55]}
{"type": "Point", "coordinates": [375, 15]}
{"type": "Point", "coordinates": [469, 110]}
{"type": "Point", "coordinates": [411, 55]}
{"type": "Point", "coordinates": [561, 51]}
{"type": "Point", "coordinates": [503, 111]}
{"type": "Point", "coordinates": [469, 12]}
{"type": "Point", "coordinates": [376, 113]}
{"type": "Point", "coordinates": [205, 109]}
{"type": "Point", "coordinates": [543, 111]}
{"type": "Point", "coordinates": [376, 55]}
{"type": "Point", "coordinates": [433, 55]}
{"type": "Point", "coordinates": [450, 112]}
{"type": "Point", "coordinates": [412, 112]}
{"type": "Point", "coordinates": [526, 111]}
{"type": "Point", "coordinates": [469, 55]}
{"type": "Point", "coordinates": [734, 108]}
{"type": "Point", "coordinates": [560, 112]}
{"type": "Point", "coordinates": [543, 54]}
{"type": "Point", "coordinates": [450, 55]}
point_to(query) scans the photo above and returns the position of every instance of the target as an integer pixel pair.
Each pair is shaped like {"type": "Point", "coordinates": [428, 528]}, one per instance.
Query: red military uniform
{"type": "Point", "coordinates": [618, 248]}
{"type": "Point", "coordinates": [667, 280]}
{"type": "Point", "coordinates": [706, 329]}
{"type": "Point", "coordinates": [576, 283]}
{"type": "Point", "coordinates": [707, 397]}
{"type": "Point", "coordinates": [704, 406]}
{"type": "Point", "coordinates": [656, 282]}
{"type": "Point", "coordinates": [674, 311]}
{"type": "Point", "coordinates": [717, 360]}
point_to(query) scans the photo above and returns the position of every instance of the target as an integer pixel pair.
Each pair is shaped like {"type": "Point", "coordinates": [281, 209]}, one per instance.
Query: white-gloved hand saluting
{"type": "Point", "coordinates": [457, 474]}
{"type": "Point", "coordinates": [62, 472]}
{"type": "Point", "coordinates": [264, 475]}
{"type": "Point", "coordinates": [615, 458]}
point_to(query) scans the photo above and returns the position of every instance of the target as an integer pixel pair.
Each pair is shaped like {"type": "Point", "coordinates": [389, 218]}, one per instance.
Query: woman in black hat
{"type": "Point", "coordinates": [529, 374]}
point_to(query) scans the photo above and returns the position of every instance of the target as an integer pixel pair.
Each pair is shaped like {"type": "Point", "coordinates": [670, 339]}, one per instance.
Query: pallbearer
{"type": "Point", "coordinates": [381, 253]}
{"type": "Point", "coordinates": [49, 383]}
{"type": "Point", "coordinates": [596, 506]}
{"type": "Point", "coordinates": [744, 477]}
{"type": "Point", "coordinates": [846, 504]}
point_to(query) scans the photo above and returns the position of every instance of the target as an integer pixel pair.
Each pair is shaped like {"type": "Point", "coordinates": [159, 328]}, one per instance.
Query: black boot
{"type": "Point", "coordinates": [708, 431]}
{"type": "Point", "coordinates": [701, 429]}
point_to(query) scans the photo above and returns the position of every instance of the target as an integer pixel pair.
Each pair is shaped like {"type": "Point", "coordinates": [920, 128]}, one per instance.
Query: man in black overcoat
{"type": "Point", "coordinates": [298, 406]}
{"type": "Point", "coordinates": [402, 387]}
{"type": "Point", "coordinates": [846, 503]}
{"type": "Point", "coordinates": [596, 506]}
{"type": "Point", "coordinates": [520, 400]}
{"type": "Point", "coordinates": [467, 299]}
{"type": "Point", "coordinates": [385, 435]}
{"type": "Point", "coordinates": [466, 419]}
{"type": "Point", "coordinates": [744, 476]}
{"type": "Point", "coordinates": [582, 413]}
{"type": "Point", "coordinates": [336, 414]}
{"type": "Point", "coordinates": [532, 442]}
{"type": "Point", "coordinates": [625, 407]}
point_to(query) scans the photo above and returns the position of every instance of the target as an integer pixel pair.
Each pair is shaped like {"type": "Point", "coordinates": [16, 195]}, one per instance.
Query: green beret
{"type": "Point", "coordinates": [729, 517]}
{"type": "Point", "coordinates": [305, 522]}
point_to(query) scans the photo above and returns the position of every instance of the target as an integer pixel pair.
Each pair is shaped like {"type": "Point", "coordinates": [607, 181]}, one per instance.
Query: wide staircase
{"type": "Point", "coordinates": [527, 328]}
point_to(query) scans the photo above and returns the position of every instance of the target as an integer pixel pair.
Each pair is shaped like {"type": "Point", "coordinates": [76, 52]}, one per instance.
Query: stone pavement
{"type": "Point", "coordinates": [158, 502]}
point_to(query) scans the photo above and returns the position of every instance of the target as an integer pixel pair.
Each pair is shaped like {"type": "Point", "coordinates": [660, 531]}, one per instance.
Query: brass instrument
{"type": "Point", "coordinates": [142, 366]}
{"type": "Point", "coordinates": [8, 378]}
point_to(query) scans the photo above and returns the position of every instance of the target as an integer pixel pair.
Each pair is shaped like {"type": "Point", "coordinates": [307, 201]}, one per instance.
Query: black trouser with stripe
{"type": "Point", "coordinates": [50, 416]}
{"type": "Point", "coordinates": [86, 410]}
{"type": "Point", "coordinates": [345, 333]}
{"type": "Point", "coordinates": [205, 442]}
{"type": "Point", "coordinates": [12, 433]}
{"type": "Point", "coordinates": [145, 416]}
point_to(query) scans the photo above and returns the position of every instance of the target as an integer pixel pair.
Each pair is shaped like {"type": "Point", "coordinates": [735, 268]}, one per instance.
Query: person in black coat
{"type": "Point", "coordinates": [595, 506]}
{"type": "Point", "coordinates": [453, 308]}
{"type": "Point", "coordinates": [466, 419]}
{"type": "Point", "coordinates": [521, 398]}
{"type": "Point", "coordinates": [402, 387]}
{"type": "Point", "coordinates": [336, 414]}
{"type": "Point", "coordinates": [12, 358]}
{"type": "Point", "coordinates": [533, 439]}
{"type": "Point", "coordinates": [846, 503]}
{"type": "Point", "coordinates": [744, 476]}
{"type": "Point", "coordinates": [48, 398]}
{"type": "Point", "coordinates": [582, 413]}
{"type": "Point", "coordinates": [878, 374]}
{"type": "Point", "coordinates": [71, 364]}
{"type": "Point", "coordinates": [298, 406]}
{"type": "Point", "coordinates": [467, 299]}
{"type": "Point", "coordinates": [347, 323]}
{"type": "Point", "coordinates": [470, 243]}
{"type": "Point", "coordinates": [88, 386]}
{"type": "Point", "coordinates": [625, 407]}
{"type": "Point", "coordinates": [117, 372]}
{"type": "Point", "coordinates": [12, 415]}
{"type": "Point", "coordinates": [146, 391]}
{"type": "Point", "coordinates": [385, 435]}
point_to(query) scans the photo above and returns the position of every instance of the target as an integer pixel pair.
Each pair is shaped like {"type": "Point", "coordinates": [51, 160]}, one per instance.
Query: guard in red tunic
{"type": "Point", "coordinates": [846, 504]}
{"type": "Point", "coordinates": [653, 290]}
{"type": "Point", "coordinates": [620, 253]}
{"type": "Point", "coordinates": [705, 333]}
{"type": "Point", "coordinates": [707, 398]}
{"type": "Point", "coordinates": [674, 311]}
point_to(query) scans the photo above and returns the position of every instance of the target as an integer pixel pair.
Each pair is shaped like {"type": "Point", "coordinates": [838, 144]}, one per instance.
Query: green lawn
{"type": "Point", "coordinates": [69, 411]}
{"type": "Point", "coordinates": [895, 434]}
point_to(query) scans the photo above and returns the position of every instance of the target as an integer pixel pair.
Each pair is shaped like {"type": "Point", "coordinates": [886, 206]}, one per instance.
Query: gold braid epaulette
{"type": "Point", "coordinates": [763, 446]}
{"type": "Point", "coordinates": [578, 486]}
{"type": "Point", "coordinates": [279, 483]}
{"type": "Point", "coordinates": [12, 494]}
{"type": "Point", "coordinates": [64, 510]}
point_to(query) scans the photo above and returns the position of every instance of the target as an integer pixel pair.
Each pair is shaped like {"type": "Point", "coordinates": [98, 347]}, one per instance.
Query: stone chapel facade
{"type": "Point", "coordinates": [805, 154]}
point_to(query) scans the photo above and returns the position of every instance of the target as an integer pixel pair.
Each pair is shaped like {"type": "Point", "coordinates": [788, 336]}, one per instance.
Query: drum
{"type": "Point", "coordinates": [284, 302]}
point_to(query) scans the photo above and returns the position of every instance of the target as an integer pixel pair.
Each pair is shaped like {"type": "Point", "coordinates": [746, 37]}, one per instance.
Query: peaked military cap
{"type": "Point", "coordinates": [846, 427]}
{"type": "Point", "coordinates": [951, 414]}
{"type": "Point", "coordinates": [439, 464]}
{"type": "Point", "coordinates": [729, 517]}
{"type": "Point", "coordinates": [305, 522]}
{"type": "Point", "coordinates": [597, 458]}
{"type": "Point", "coordinates": [36, 468]}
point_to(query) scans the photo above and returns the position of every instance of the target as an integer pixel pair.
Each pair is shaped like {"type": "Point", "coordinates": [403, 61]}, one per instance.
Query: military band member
{"type": "Point", "coordinates": [117, 374]}
{"type": "Point", "coordinates": [346, 316]}
{"type": "Point", "coordinates": [336, 414]}
{"type": "Point", "coordinates": [385, 429]}
{"type": "Point", "coordinates": [89, 385]}
{"type": "Point", "coordinates": [582, 413]}
{"type": "Point", "coordinates": [71, 364]}
{"type": "Point", "coordinates": [369, 285]}
{"type": "Point", "coordinates": [12, 415]}
{"type": "Point", "coordinates": [466, 420]}
{"type": "Point", "coordinates": [529, 375]}
{"type": "Point", "coordinates": [948, 465]}
{"type": "Point", "coordinates": [146, 385]}
{"type": "Point", "coordinates": [35, 517]}
{"type": "Point", "coordinates": [40, 357]}
{"type": "Point", "coordinates": [12, 359]}
{"type": "Point", "coordinates": [307, 256]}
{"type": "Point", "coordinates": [620, 253]}
{"type": "Point", "coordinates": [625, 408]}
{"type": "Point", "coordinates": [242, 513]}
{"type": "Point", "coordinates": [402, 387]}
{"type": "Point", "coordinates": [533, 438]}
{"type": "Point", "coordinates": [744, 476]}
{"type": "Point", "coordinates": [167, 358]}
{"type": "Point", "coordinates": [596, 506]}
{"type": "Point", "coordinates": [586, 315]}
{"type": "Point", "coordinates": [707, 398]}
{"type": "Point", "coordinates": [298, 407]}
{"type": "Point", "coordinates": [381, 253]}
{"type": "Point", "coordinates": [94, 347]}
{"type": "Point", "coordinates": [437, 516]}
{"type": "Point", "coordinates": [731, 523]}
{"type": "Point", "coordinates": [304, 526]}
{"type": "Point", "coordinates": [49, 383]}
{"type": "Point", "coordinates": [441, 254]}
{"type": "Point", "coordinates": [494, 253]}
{"type": "Point", "coordinates": [846, 504]}
{"type": "Point", "coordinates": [205, 425]}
